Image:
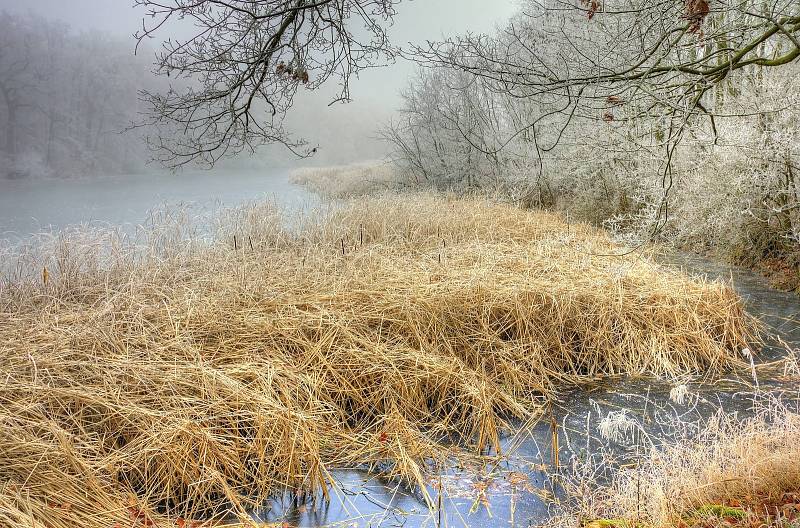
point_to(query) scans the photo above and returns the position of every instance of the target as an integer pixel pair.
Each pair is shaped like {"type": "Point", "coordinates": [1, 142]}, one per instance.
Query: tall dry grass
{"type": "Point", "coordinates": [750, 464]}
{"type": "Point", "coordinates": [173, 374]}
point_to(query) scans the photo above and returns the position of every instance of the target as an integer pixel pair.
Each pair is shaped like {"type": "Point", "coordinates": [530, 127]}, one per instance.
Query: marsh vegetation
{"type": "Point", "coordinates": [489, 324]}
{"type": "Point", "coordinates": [203, 376]}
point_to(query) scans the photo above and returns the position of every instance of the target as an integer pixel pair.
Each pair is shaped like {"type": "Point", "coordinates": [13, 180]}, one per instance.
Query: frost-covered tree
{"type": "Point", "coordinates": [665, 59]}
{"type": "Point", "coordinates": [671, 119]}
{"type": "Point", "coordinates": [65, 99]}
{"type": "Point", "coordinates": [16, 79]}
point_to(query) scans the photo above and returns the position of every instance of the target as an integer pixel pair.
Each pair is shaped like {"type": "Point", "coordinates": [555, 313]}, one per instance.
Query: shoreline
{"type": "Point", "coordinates": [366, 337]}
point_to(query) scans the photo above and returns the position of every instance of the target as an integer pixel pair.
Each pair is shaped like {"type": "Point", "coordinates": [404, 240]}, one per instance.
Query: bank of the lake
{"type": "Point", "coordinates": [189, 378]}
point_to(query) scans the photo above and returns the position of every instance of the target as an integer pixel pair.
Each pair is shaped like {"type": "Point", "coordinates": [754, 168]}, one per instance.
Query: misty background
{"type": "Point", "coordinates": [69, 81]}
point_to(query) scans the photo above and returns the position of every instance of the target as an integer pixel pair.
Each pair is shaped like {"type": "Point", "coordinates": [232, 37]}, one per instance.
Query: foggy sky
{"type": "Point", "coordinates": [374, 93]}
{"type": "Point", "coordinates": [417, 20]}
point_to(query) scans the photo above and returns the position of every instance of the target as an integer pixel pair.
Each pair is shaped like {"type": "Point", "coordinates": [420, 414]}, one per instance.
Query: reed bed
{"type": "Point", "coordinates": [181, 373]}
{"type": "Point", "coordinates": [349, 181]}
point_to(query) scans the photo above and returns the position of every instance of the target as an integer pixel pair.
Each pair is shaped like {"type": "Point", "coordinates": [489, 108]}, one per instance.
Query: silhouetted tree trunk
{"type": "Point", "coordinates": [11, 122]}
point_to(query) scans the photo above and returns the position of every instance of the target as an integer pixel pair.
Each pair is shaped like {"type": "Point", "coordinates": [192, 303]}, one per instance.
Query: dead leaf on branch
{"type": "Point", "coordinates": [593, 7]}
{"type": "Point", "coordinates": [696, 13]}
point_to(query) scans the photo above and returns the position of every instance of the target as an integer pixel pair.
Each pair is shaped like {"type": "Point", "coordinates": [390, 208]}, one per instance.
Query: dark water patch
{"type": "Point", "coordinates": [779, 310]}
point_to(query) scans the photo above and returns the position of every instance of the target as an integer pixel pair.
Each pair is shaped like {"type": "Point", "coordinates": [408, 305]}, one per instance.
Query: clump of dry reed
{"type": "Point", "coordinates": [163, 374]}
{"type": "Point", "coordinates": [347, 181]}
{"type": "Point", "coordinates": [743, 466]}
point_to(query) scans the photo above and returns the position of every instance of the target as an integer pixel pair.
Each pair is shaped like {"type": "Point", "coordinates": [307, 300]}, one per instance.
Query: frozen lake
{"type": "Point", "coordinates": [28, 207]}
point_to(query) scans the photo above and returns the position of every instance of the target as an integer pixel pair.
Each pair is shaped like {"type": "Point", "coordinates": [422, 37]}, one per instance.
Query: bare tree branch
{"type": "Point", "coordinates": [237, 76]}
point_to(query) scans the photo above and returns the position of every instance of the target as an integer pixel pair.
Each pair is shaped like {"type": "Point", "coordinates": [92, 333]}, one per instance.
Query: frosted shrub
{"type": "Point", "coordinates": [730, 185]}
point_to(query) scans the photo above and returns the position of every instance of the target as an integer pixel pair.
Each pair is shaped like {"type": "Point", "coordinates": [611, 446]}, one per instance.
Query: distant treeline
{"type": "Point", "coordinates": [65, 98]}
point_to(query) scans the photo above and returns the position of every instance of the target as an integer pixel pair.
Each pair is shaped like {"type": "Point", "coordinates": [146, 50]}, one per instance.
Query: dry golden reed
{"type": "Point", "coordinates": [350, 181]}
{"type": "Point", "coordinates": [194, 372]}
